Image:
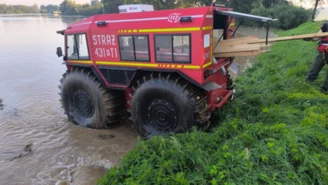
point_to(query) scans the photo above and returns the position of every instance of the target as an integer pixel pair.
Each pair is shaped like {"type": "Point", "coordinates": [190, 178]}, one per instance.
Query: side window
{"type": "Point", "coordinates": [163, 48]}
{"type": "Point", "coordinates": [81, 41]}
{"type": "Point", "coordinates": [141, 48]}
{"type": "Point", "coordinates": [77, 47]}
{"type": "Point", "coordinates": [126, 48]}
{"type": "Point", "coordinates": [181, 48]}
{"type": "Point", "coordinates": [134, 48]}
{"type": "Point", "coordinates": [173, 48]}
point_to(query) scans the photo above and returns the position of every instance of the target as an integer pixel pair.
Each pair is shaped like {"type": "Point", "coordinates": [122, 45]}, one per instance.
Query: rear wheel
{"type": "Point", "coordinates": [163, 104]}
{"type": "Point", "coordinates": [87, 103]}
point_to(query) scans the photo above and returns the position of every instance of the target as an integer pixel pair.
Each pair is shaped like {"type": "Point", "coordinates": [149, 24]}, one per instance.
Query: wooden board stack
{"type": "Point", "coordinates": [251, 46]}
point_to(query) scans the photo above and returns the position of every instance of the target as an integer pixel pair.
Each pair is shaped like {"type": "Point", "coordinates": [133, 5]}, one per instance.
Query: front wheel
{"type": "Point", "coordinates": [87, 103]}
{"type": "Point", "coordinates": [162, 105]}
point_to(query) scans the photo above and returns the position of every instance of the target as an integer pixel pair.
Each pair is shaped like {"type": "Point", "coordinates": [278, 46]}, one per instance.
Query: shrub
{"type": "Point", "coordinates": [262, 11]}
{"type": "Point", "coordinates": [275, 132]}
{"type": "Point", "coordinates": [288, 16]}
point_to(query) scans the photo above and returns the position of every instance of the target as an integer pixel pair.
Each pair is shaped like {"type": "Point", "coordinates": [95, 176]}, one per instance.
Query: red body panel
{"type": "Point", "coordinates": [104, 47]}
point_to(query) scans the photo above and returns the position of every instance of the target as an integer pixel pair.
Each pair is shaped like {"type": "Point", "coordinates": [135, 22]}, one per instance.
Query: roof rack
{"type": "Point", "coordinates": [243, 16]}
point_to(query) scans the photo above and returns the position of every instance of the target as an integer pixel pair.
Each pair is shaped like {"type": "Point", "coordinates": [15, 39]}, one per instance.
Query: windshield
{"type": "Point", "coordinates": [77, 47]}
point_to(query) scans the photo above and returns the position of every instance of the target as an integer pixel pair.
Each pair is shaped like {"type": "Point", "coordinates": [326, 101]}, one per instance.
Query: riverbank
{"type": "Point", "coordinates": [273, 133]}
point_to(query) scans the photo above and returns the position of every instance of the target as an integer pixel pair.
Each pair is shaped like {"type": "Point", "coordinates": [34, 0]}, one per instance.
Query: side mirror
{"type": "Point", "coordinates": [59, 52]}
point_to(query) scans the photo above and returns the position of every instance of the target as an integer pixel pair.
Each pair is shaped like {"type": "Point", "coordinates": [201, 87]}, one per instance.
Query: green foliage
{"type": "Point", "coordinates": [68, 7]}
{"type": "Point", "coordinates": [49, 8]}
{"type": "Point", "coordinates": [111, 6]}
{"type": "Point", "coordinates": [244, 7]}
{"type": "Point", "coordinates": [18, 9]}
{"type": "Point", "coordinates": [200, 2]}
{"type": "Point", "coordinates": [271, 3]}
{"type": "Point", "coordinates": [275, 132]}
{"type": "Point", "coordinates": [260, 9]}
{"type": "Point", "coordinates": [43, 11]}
{"type": "Point", "coordinates": [288, 16]}
{"type": "Point", "coordinates": [309, 27]}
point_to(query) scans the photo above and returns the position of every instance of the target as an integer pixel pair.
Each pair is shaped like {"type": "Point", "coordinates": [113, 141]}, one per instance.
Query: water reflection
{"type": "Point", "coordinates": [69, 20]}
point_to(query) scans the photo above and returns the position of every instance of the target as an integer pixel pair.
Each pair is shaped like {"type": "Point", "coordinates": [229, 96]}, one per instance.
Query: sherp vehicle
{"type": "Point", "coordinates": [156, 67]}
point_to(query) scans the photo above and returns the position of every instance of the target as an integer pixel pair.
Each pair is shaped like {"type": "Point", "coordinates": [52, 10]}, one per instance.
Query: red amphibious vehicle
{"type": "Point", "coordinates": [156, 67]}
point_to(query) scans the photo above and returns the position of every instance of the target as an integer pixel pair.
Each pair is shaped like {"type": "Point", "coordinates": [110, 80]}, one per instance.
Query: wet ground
{"type": "Point", "coordinates": [38, 145]}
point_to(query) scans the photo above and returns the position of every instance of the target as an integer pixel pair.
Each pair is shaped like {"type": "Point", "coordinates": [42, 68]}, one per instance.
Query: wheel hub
{"type": "Point", "coordinates": [162, 115]}
{"type": "Point", "coordinates": [83, 103]}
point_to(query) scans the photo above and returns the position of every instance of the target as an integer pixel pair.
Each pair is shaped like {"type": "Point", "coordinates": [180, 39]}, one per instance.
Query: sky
{"type": "Point", "coordinates": [39, 2]}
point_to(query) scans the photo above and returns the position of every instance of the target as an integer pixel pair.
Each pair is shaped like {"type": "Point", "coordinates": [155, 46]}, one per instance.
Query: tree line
{"type": "Point", "coordinates": [49, 8]}
{"type": "Point", "coordinates": [244, 6]}
{"type": "Point", "coordinates": [289, 16]}
{"type": "Point", "coordinates": [68, 7]}
{"type": "Point", "coordinates": [18, 9]}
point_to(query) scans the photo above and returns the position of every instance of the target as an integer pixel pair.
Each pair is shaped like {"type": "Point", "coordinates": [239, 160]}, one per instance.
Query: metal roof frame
{"type": "Point", "coordinates": [243, 16]}
{"type": "Point", "coordinates": [247, 16]}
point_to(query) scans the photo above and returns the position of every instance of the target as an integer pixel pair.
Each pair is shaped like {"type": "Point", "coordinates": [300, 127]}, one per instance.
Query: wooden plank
{"type": "Point", "coordinates": [264, 46]}
{"type": "Point", "coordinates": [236, 40]}
{"type": "Point", "coordinates": [243, 45]}
{"type": "Point", "coordinates": [233, 43]}
{"type": "Point", "coordinates": [237, 48]}
{"type": "Point", "coordinates": [239, 54]}
{"type": "Point", "coordinates": [296, 37]}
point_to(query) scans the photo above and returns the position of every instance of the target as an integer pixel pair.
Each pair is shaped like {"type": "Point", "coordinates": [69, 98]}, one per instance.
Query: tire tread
{"type": "Point", "coordinates": [112, 101]}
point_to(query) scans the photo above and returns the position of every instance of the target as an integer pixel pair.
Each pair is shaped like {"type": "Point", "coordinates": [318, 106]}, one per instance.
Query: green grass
{"type": "Point", "coordinates": [275, 132]}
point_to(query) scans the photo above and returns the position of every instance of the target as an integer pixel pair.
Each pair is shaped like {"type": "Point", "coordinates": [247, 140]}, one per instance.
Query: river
{"type": "Point", "coordinates": [38, 145]}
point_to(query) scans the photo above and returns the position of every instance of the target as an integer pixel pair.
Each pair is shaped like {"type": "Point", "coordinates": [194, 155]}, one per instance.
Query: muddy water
{"type": "Point", "coordinates": [37, 144]}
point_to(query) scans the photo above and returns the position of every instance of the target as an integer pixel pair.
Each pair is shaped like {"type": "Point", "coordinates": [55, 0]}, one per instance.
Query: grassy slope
{"type": "Point", "coordinates": [274, 133]}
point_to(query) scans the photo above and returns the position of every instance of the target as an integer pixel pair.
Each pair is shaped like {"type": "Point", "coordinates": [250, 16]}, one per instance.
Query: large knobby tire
{"type": "Point", "coordinates": [164, 104]}
{"type": "Point", "coordinates": [87, 103]}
